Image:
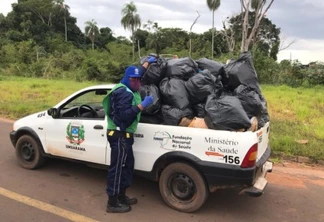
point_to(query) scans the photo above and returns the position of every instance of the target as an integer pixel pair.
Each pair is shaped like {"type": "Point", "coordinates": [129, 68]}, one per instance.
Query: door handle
{"type": "Point", "coordinates": [98, 127]}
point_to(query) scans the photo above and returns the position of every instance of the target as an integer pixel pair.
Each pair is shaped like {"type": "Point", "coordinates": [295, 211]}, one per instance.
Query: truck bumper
{"type": "Point", "coordinates": [260, 184]}
{"type": "Point", "coordinates": [13, 137]}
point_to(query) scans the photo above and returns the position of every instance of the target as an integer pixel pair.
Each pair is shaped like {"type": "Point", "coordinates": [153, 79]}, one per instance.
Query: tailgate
{"type": "Point", "coordinates": [263, 140]}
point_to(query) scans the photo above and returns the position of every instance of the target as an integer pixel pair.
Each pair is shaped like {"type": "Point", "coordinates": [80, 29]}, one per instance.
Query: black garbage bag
{"type": "Point", "coordinates": [261, 122]}
{"type": "Point", "coordinates": [200, 86]}
{"type": "Point", "coordinates": [155, 72]}
{"type": "Point", "coordinates": [172, 116]}
{"type": "Point", "coordinates": [226, 93]}
{"type": "Point", "coordinates": [264, 117]}
{"type": "Point", "coordinates": [241, 71]}
{"type": "Point", "coordinates": [152, 119]}
{"type": "Point", "coordinates": [151, 90]}
{"type": "Point", "coordinates": [181, 68]}
{"type": "Point", "coordinates": [199, 110]}
{"type": "Point", "coordinates": [174, 93]}
{"type": "Point", "coordinates": [216, 68]}
{"type": "Point", "coordinates": [265, 108]}
{"type": "Point", "coordinates": [219, 88]}
{"type": "Point", "coordinates": [225, 113]}
{"type": "Point", "coordinates": [250, 100]}
{"type": "Point", "coordinates": [218, 82]}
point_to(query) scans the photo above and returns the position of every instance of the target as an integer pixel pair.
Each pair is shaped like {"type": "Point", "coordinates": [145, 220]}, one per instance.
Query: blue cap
{"type": "Point", "coordinates": [133, 72]}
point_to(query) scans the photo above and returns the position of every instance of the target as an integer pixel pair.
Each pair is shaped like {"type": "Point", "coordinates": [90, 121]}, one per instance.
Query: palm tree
{"type": "Point", "coordinates": [65, 8]}
{"type": "Point", "coordinates": [131, 20]}
{"type": "Point", "coordinates": [91, 31]}
{"type": "Point", "coordinates": [213, 5]}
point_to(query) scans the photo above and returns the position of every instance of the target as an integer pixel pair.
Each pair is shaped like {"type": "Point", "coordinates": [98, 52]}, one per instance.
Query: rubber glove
{"type": "Point", "coordinates": [148, 100]}
{"type": "Point", "coordinates": [151, 59]}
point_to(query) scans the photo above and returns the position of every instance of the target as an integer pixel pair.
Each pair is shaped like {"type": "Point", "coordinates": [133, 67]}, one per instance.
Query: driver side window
{"type": "Point", "coordinates": [85, 106]}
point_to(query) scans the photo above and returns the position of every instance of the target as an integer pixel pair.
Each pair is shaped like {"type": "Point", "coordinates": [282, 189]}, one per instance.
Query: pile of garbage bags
{"type": "Point", "coordinates": [205, 94]}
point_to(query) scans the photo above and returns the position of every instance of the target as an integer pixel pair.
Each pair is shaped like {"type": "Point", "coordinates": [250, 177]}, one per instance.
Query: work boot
{"type": "Point", "coordinates": [113, 206]}
{"type": "Point", "coordinates": [123, 199]}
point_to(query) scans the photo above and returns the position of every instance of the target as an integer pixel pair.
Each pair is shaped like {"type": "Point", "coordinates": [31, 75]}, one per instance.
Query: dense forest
{"type": "Point", "coordinates": [40, 38]}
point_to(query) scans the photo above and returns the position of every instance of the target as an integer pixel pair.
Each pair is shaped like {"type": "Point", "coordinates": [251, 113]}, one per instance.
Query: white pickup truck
{"type": "Point", "coordinates": [189, 163]}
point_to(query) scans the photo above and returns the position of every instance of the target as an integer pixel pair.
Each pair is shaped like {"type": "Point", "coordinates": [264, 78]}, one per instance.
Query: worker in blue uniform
{"type": "Point", "coordinates": [123, 106]}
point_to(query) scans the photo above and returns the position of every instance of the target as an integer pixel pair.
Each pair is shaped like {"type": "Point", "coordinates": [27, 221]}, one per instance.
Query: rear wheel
{"type": "Point", "coordinates": [28, 153]}
{"type": "Point", "coordinates": [182, 187]}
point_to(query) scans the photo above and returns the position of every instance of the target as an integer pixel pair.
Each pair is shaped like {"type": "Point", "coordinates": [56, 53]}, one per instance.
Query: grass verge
{"type": "Point", "coordinates": [22, 96]}
{"type": "Point", "coordinates": [296, 113]}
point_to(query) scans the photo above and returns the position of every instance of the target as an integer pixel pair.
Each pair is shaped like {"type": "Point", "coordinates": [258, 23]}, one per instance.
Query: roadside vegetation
{"type": "Point", "coordinates": [40, 38]}
{"type": "Point", "coordinates": [297, 120]}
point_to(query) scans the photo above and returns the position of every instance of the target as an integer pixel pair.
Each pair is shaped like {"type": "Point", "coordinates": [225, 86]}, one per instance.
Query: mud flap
{"type": "Point", "coordinates": [260, 184]}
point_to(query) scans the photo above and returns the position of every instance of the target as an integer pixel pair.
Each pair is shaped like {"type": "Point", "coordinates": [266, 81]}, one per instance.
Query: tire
{"type": "Point", "coordinates": [183, 188]}
{"type": "Point", "coordinates": [28, 153]}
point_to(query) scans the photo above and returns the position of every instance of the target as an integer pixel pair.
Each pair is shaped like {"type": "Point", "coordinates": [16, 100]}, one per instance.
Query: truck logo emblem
{"type": "Point", "coordinates": [75, 133]}
{"type": "Point", "coordinates": [162, 137]}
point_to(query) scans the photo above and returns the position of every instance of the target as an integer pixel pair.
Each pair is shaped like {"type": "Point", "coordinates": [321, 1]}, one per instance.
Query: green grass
{"type": "Point", "coordinates": [22, 96]}
{"type": "Point", "coordinates": [296, 113]}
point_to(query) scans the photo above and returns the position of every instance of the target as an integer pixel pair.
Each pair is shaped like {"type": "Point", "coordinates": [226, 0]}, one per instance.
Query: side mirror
{"type": "Point", "coordinates": [52, 112]}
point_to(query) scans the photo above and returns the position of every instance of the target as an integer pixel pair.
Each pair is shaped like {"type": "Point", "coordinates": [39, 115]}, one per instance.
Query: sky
{"type": "Point", "coordinates": [301, 21]}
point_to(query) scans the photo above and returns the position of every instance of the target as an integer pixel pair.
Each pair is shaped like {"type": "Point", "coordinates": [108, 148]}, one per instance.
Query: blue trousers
{"type": "Point", "coordinates": [120, 173]}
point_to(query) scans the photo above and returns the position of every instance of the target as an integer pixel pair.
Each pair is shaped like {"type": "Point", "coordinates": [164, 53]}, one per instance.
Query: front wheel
{"type": "Point", "coordinates": [183, 188]}
{"type": "Point", "coordinates": [28, 153]}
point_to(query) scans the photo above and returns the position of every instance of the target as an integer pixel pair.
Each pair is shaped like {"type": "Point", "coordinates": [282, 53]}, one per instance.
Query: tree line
{"type": "Point", "coordinates": [40, 38]}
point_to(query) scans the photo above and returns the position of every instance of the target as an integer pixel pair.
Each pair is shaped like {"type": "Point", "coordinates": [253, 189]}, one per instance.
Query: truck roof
{"type": "Point", "coordinates": [108, 86]}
